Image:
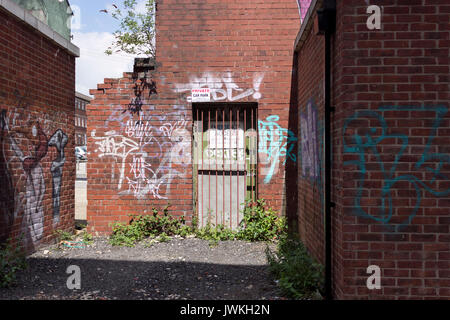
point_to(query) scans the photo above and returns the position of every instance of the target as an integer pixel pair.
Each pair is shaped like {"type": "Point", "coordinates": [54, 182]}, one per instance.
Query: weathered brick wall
{"type": "Point", "coordinates": [37, 163]}
{"type": "Point", "coordinates": [242, 51]}
{"type": "Point", "coordinates": [392, 118]}
{"type": "Point", "coordinates": [390, 149]}
{"type": "Point", "coordinates": [136, 163]}
{"type": "Point", "coordinates": [311, 143]}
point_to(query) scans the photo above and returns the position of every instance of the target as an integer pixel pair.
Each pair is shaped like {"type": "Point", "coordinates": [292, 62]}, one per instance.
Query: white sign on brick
{"type": "Point", "coordinates": [201, 95]}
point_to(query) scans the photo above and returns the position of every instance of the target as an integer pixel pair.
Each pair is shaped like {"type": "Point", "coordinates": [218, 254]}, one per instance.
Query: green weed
{"type": "Point", "coordinates": [12, 260]}
{"type": "Point", "coordinates": [259, 224]}
{"type": "Point", "coordinates": [299, 275]}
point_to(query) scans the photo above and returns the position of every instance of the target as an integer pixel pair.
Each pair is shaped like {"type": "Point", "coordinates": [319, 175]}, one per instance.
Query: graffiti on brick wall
{"type": "Point", "coordinates": [7, 194]}
{"type": "Point", "coordinates": [222, 86]}
{"type": "Point", "coordinates": [151, 152]}
{"type": "Point", "coordinates": [140, 86]}
{"type": "Point", "coordinates": [24, 145]}
{"type": "Point", "coordinates": [309, 134]}
{"type": "Point", "coordinates": [32, 200]}
{"type": "Point", "coordinates": [311, 146]}
{"type": "Point", "coordinates": [59, 141]}
{"type": "Point", "coordinates": [275, 145]}
{"type": "Point", "coordinates": [116, 146]}
{"type": "Point", "coordinates": [365, 144]}
{"type": "Point", "coordinates": [10, 202]}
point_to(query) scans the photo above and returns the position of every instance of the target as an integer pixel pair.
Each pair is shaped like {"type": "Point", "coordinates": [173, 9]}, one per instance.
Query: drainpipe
{"type": "Point", "coordinates": [326, 22]}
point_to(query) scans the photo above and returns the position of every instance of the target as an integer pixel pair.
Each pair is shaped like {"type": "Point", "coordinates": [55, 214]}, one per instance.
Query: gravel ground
{"type": "Point", "coordinates": [176, 270]}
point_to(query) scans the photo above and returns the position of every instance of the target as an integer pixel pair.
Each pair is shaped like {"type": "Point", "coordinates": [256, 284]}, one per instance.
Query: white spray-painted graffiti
{"type": "Point", "coordinates": [275, 142]}
{"type": "Point", "coordinates": [222, 86]}
{"type": "Point", "coordinates": [35, 184]}
{"type": "Point", "coordinates": [149, 138]}
{"type": "Point", "coordinates": [27, 139]}
{"type": "Point", "coordinates": [116, 146]}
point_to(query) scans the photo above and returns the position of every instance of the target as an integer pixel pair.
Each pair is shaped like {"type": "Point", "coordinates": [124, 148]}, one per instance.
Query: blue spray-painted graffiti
{"type": "Point", "coordinates": [368, 143]}
{"type": "Point", "coordinates": [274, 143]}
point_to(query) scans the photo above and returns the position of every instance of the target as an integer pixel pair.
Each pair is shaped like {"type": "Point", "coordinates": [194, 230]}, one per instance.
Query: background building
{"type": "Point", "coordinates": [81, 101]}
{"type": "Point", "coordinates": [55, 14]}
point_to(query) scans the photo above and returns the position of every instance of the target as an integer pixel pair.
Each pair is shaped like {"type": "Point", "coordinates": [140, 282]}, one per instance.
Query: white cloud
{"type": "Point", "coordinates": [140, 7]}
{"type": "Point", "coordinates": [94, 65]}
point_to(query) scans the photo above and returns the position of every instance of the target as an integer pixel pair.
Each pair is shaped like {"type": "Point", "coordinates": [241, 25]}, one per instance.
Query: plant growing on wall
{"type": "Point", "coordinates": [136, 33]}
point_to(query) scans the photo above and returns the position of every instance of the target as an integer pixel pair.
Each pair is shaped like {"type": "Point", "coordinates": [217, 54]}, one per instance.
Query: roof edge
{"type": "Point", "coordinates": [25, 16]}
{"type": "Point", "coordinates": [306, 24]}
{"type": "Point", "coordinates": [82, 96]}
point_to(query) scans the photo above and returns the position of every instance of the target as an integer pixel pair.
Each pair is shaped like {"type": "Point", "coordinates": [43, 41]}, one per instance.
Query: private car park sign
{"type": "Point", "coordinates": [201, 95]}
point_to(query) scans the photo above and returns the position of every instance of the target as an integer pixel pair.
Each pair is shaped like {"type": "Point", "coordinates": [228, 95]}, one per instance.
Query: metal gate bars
{"type": "Point", "coordinates": [225, 161]}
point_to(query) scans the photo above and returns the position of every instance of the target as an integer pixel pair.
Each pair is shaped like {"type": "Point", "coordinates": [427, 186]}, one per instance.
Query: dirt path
{"type": "Point", "coordinates": [179, 269]}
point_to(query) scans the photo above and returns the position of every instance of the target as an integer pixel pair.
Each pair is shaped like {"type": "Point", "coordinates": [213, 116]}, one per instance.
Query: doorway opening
{"type": "Point", "coordinates": [225, 168]}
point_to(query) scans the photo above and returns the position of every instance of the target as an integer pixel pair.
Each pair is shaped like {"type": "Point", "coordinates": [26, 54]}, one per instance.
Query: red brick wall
{"type": "Point", "coordinates": [311, 134]}
{"type": "Point", "coordinates": [37, 92]}
{"type": "Point", "coordinates": [398, 78]}
{"type": "Point", "coordinates": [390, 150]}
{"type": "Point", "coordinates": [218, 44]}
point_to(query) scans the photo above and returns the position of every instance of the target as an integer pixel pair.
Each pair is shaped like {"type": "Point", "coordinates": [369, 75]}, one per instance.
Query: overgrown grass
{"type": "Point", "coordinates": [259, 223]}
{"type": "Point", "coordinates": [12, 260]}
{"type": "Point", "coordinates": [87, 238]}
{"type": "Point", "coordinates": [62, 235]}
{"type": "Point", "coordinates": [147, 226]}
{"type": "Point", "coordinates": [299, 276]}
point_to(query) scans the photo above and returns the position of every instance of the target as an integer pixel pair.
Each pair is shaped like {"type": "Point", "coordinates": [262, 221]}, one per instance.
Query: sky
{"type": "Point", "coordinates": [92, 32]}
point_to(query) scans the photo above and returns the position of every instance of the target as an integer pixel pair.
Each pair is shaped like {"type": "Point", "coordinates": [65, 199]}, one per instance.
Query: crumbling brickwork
{"type": "Point", "coordinates": [242, 52]}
